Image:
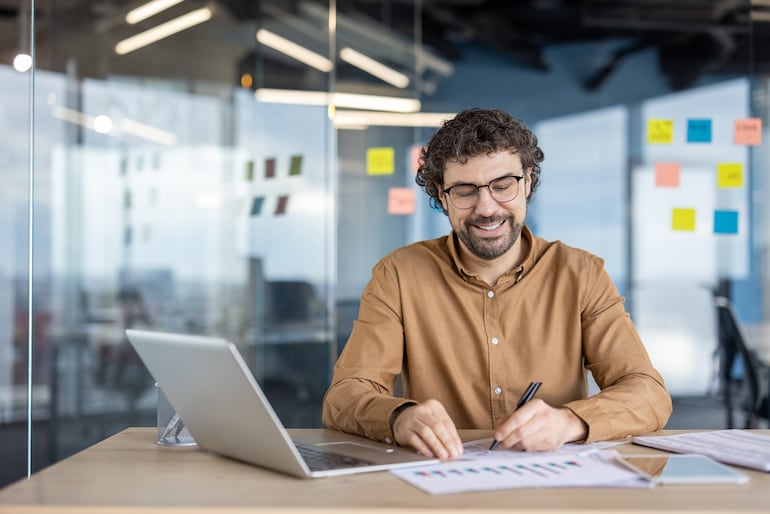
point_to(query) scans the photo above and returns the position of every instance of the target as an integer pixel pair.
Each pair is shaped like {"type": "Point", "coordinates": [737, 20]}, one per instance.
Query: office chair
{"type": "Point", "coordinates": [740, 369]}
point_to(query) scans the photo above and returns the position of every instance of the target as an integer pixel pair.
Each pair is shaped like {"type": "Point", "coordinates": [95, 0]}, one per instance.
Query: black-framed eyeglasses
{"type": "Point", "coordinates": [503, 189]}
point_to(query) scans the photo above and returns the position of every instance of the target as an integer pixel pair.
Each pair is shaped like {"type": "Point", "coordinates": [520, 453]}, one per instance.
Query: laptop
{"type": "Point", "coordinates": [213, 391]}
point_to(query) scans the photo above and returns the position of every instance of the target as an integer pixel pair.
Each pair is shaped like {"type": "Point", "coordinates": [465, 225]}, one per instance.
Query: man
{"type": "Point", "coordinates": [470, 319]}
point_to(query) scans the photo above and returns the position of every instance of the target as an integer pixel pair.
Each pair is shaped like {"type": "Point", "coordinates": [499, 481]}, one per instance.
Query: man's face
{"type": "Point", "coordinates": [490, 228]}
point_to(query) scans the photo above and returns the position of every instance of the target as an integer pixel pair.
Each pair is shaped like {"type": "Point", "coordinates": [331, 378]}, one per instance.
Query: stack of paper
{"type": "Point", "coordinates": [737, 447]}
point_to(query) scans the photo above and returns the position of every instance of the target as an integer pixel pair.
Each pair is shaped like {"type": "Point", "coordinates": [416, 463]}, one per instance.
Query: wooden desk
{"type": "Point", "coordinates": [128, 472]}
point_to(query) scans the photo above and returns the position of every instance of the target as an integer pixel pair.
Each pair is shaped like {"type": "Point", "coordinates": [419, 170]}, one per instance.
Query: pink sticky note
{"type": "Point", "coordinates": [414, 158]}
{"type": "Point", "coordinates": [667, 174]}
{"type": "Point", "coordinates": [401, 200]}
{"type": "Point", "coordinates": [748, 131]}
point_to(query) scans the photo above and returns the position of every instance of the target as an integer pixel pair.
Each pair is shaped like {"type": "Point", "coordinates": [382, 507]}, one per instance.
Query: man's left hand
{"type": "Point", "coordinates": [536, 426]}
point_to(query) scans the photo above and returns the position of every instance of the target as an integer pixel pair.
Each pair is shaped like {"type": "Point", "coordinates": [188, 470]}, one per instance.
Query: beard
{"type": "Point", "coordinates": [485, 248]}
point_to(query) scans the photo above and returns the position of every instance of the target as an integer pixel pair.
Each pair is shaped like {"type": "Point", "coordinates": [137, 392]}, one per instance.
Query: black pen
{"type": "Point", "coordinates": [527, 396]}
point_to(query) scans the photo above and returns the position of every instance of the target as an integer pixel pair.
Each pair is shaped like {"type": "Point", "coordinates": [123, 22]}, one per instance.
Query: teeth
{"type": "Point", "coordinates": [490, 227]}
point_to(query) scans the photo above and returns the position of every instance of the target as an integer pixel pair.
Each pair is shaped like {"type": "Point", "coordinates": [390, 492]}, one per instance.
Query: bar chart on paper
{"type": "Point", "coordinates": [536, 471]}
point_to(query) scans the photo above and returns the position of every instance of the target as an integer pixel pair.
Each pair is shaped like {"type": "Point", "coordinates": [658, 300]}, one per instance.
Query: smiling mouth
{"type": "Point", "coordinates": [490, 227]}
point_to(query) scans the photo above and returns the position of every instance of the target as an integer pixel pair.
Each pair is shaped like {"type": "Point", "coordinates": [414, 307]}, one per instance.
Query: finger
{"type": "Point", "coordinates": [429, 429]}
{"type": "Point", "coordinates": [444, 429]}
{"type": "Point", "coordinates": [507, 430]}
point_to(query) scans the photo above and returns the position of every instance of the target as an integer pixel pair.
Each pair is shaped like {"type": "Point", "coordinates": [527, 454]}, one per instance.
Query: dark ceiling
{"type": "Point", "coordinates": [693, 38]}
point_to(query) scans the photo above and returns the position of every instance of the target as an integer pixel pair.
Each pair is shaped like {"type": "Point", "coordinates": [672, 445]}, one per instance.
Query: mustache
{"type": "Point", "coordinates": [487, 220]}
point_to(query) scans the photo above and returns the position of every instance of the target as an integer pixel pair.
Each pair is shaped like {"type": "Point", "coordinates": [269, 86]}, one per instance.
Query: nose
{"type": "Point", "coordinates": [485, 203]}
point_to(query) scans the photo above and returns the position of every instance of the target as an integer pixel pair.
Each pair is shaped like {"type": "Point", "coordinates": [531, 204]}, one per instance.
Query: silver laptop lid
{"type": "Point", "coordinates": [215, 393]}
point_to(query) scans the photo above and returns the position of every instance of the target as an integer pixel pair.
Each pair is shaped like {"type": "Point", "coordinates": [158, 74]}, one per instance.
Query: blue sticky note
{"type": "Point", "coordinates": [725, 222]}
{"type": "Point", "coordinates": [698, 131]}
{"type": "Point", "coordinates": [256, 205]}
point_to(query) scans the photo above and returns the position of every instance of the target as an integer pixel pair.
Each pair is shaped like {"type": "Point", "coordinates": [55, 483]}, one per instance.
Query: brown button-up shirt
{"type": "Point", "coordinates": [475, 348]}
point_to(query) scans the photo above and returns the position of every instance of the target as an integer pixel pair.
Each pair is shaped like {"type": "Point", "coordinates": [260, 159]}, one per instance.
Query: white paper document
{"type": "Point", "coordinates": [733, 446]}
{"type": "Point", "coordinates": [481, 470]}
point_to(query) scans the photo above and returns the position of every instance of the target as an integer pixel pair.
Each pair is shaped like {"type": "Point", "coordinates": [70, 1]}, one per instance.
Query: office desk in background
{"type": "Point", "coordinates": [128, 472]}
{"type": "Point", "coordinates": [758, 339]}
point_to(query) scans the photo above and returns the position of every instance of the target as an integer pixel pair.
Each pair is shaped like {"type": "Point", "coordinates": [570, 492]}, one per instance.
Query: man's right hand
{"type": "Point", "coordinates": [427, 428]}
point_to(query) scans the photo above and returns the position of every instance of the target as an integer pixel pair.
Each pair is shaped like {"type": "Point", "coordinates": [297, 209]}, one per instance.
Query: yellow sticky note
{"type": "Point", "coordinates": [748, 131]}
{"type": "Point", "coordinates": [730, 174]}
{"type": "Point", "coordinates": [401, 200]}
{"type": "Point", "coordinates": [380, 161]}
{"type": "Point", "coordinates": [660, 131]}
{"type": "Point", "coordinates": [683, 219]}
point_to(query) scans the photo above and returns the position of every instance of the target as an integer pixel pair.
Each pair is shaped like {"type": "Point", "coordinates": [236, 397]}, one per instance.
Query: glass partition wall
{"type": "Point", "coordinates": [169, 196]}
{"type": "Point", "coordinates": [240, 176]}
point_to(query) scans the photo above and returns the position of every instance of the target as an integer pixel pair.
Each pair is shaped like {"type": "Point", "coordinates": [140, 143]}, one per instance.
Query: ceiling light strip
{"type": "Point", "coordinates": [293, 50]}
{"type": "Point", "coordinates": [374, 67]}
{"type": "Point", "coordinates": [346, 100]}
{"type": "Point", "coordinates": [163, 30]}
{"type": "Point", "coordinates": [103, 125]}
{"type": "Point", "coordinates": [357, 119]}
{"type": "Point", "coordinates": [149, 9]}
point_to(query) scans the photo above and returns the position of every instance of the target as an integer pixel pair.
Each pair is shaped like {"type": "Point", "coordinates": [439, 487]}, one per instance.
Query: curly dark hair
{"type": "Point", "coordinates": [474, 132]}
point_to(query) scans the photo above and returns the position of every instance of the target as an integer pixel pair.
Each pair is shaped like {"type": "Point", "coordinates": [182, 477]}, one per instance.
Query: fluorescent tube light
{"type": "Point", "coordinates": [104, 125]}
{"type": "Point", "coordinates": [291, 96]}
{"type": "Point", "coordinates": [355, 120]}
{"type": "Point", "coordinates": [348, 100]}
{"type": "Point", "coordinates": [149, 9]}
{"type": "Point", "coordinates": [373, 67]}
{"type": "Point", "coordinates": [148, 132]}
{"type": "Point", "coordinates": [375, 103]}
{"type": "Point", "coordinates": [293, 50]}
{"type": "Point", "coordinates": [163, 30]}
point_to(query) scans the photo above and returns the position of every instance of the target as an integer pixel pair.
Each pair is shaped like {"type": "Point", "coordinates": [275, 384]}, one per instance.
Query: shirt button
{"type": "Point", "coordinates": [495, 340]}
{"type": "Point", "coordinates": [498, 390]}
{"type": "Point", "coordinates": [388, 440]}
{"type": "Point", "coordinates": [490, 294]}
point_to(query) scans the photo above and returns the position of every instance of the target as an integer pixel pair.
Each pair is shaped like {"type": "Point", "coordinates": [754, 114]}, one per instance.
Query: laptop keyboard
{"type": "Point", "coordinates": [318, 459]}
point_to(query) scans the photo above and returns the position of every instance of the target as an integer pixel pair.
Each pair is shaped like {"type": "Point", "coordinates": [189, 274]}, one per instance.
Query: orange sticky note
{"type": "Point", "coordinates": [683, 219]}
{"type": "Point", "coordinates": [667, 174]}
{"type": "Point", "coordinates": [730, 174]}
{"type": "Point", "coordinates": [401, 200]}
{"type": "Point", "coordinates": [380, 161]}
{"type": "Point", "coordinates": [660, 131]}
{"type": "Point", "coordinates": [748, 131]}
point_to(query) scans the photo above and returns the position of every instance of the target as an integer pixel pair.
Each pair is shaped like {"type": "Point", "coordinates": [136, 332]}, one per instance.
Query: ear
{"type": "Point", "coordinates": [442, 196]}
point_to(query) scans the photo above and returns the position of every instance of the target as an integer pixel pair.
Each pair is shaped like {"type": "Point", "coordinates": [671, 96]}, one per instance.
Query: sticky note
{"type": "Point", "coordinates": [414, 158]}
{"type": "Point", "coordinates": [683, 219]}
{"type": "Point", "coordinates": [660, 131]}
{"type": "Point", "coordinates": [380, 161]}
{"type": "Point", "coordinates": [269, 168]}
{"type": "Point", "coordinates": [667, 174]}
{"type": "Point", "coordinates": [698, 131]}
{"type": "Point", "coordinates": [295, 168]}
{"type": "Point", "coordinates": [283, 203]}
{"type": "Point", "coordinates": [256, 205]}
{"type": "Point", "coordinates": [725, 222]}
{"type": "Point", "coordinates": [748, 131]}
{"type": "Point", "coordinates": [401, 200]}
{"type": "Point", "coordinates": [249, 170]}
{"type": "Point", "coordinates": [729, 174]}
